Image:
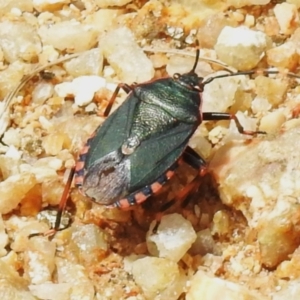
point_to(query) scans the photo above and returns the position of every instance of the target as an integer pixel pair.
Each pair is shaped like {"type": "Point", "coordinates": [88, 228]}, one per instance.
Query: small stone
{"type": "Point", "coordinates": [287, 17]}
{"type": "Point", "coordinates": [271, 26]}
{"type": "Point", "coordinates": [242, 3]}
{"type": "Point", "coordinates": [209, 32]}
{"type": "Point", "coordinates": [52, 191]}
{"type": "Point", "coordinates": [264, 174]}
{"type": "Point", "coordinates": [126, 57]}
{"type": "Point", "coordinates": [284, 56]}
{"type": "Point", "coordinates": [221, 88]}
{"type": "Point", "coordinates": [13, 153]}
{"type": "Point", "coordinates": [204, 243]}
{"type": "Point", "coordinates": [111, 3]}
{"type": "Point", "coordinates": [159, 278]}
{"type": "Point", "coordinates": [221, 223]}
{"type": "Point", "coordinates": [45, 123]}
{"type": "Point", "coordinates": [240, 47]}
{"type": "Point", "coordinates": [260, 105]}
{"type": "Point", "coordinates": [271, 89]}
{"type": "Point", "coordinates": [102, 20]}
{"type": "Point", "coordinates": [179, 64]}
{"type": "Point", "coordinates": [70, 36]}
{"type": "Point", "coordinates": [199, 143]}
{"type": "Point", "coordinates": [12, 137]}
{"type": "Point", "coordinates": [89, 63]}
{"type": "Point", "coordinates": [13, 189]}
{"type": "Point", "coordinates": [272, 122]}
{"type": "Point", "coordinates": [55, 142]}
{"type": "Point", "coordinates": [277, 235]}
{"type": "Point", "coordinates": [10, 165]}
{"type": "Point", "coordinates": [10, 76]}
{"type": "Point", "coordinates": [217, 134]}
{"type": "Point", "coordinates": [42, 91]}
{"type": "Point", "coordinates": [174, 236]}
{"type": "Point", "coordinates": [291, 291]}
{"type": "Point", "coordinates": [249, 20]}
{"type": "Point", "coordinates": [13, 286]}
{"type": "Point", "coordinates": [73, 274]}
{"type": "Point", "coordinates": [40, 260]}
{"type": "Point", "coordinates": [83, 88]}
{"type": "Point", "coordinates": [49, 53]}
{"type": "Point", "coordinates": [19, 40]}
{"type": "Point", "coordinates": [295, 2]}
{"type": "Point", "coordinates": [51, 291]}
{"type": "Point", "coordinates": [22, 229]}
{"type": "Point", "coordinates": [51, 162]}
{"type": "Point", "coordinates": [41, 173]}
{"type": "Point", "coordinates": [22, 5]}
{"type": "Point", "coordinates": [204, 286]}
{"type": "Point", "coordinates": [49, 5]}
{"type": "Point", "coordinates": [89, 238]}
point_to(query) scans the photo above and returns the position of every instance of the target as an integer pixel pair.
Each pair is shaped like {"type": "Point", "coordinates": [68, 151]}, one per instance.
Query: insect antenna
{"type": "Point", "coordinates": [197, 57]}
{"type": "Point", "coordinates": [251, 72]}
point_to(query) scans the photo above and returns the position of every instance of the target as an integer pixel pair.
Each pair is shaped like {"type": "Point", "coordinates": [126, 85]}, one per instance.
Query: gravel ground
{"type": "Point", "coordinates": [237, 237]}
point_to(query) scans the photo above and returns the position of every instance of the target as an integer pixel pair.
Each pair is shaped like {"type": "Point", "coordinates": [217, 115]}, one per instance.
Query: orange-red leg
{"type": "Point", "coordinates": [127, 88]}
{"type": "Point", "coordinates": [61, 208]}
{"type": "Point", "coordinates": [192, 158]}
{"type": "Point", "coordinates": [215, 116]}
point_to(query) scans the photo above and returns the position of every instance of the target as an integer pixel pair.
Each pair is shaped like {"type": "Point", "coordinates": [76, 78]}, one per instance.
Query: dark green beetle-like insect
{"type": "Point", "coordinates": [139, 146]}
{"type": "Point", "coordinates": [136, 150]}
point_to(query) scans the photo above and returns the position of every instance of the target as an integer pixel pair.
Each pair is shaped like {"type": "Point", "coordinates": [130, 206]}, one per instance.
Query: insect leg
{"type": "Point", "coordinates": [192, 158]}
{"type": "Point", "coordinates": [63, 200]}
{"type": "Point", "coordinates": [61, 208]}
{"type": "Point", "coordinates": [126, 87]}
{"type": "Point", "coordinates": [210, 116]}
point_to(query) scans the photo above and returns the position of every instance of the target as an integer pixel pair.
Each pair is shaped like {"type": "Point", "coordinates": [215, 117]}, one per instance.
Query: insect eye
{"type": "Point", "coordinates": [176, 75]}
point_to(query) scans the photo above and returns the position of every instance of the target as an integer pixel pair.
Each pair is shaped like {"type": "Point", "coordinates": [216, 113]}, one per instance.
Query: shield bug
{"type": "Point", "coordinates": [138, 147]}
